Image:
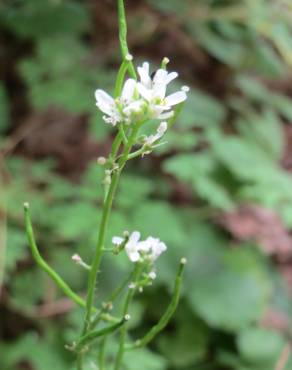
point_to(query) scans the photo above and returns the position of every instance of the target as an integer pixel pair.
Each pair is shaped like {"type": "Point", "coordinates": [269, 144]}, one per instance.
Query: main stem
{"type": "Point", "coordinates": [103, 227]}
{"type": "Point", "coordinates": [128, 300]}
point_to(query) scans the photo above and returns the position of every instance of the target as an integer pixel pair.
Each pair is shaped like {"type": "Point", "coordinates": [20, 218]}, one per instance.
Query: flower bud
{"type": "Point", "coordinates": [101, 161]}
{"type": "Point", "coordinates": [129, 57]}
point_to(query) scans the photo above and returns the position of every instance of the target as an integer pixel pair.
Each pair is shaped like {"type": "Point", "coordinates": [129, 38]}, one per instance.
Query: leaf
{"type": "Point", "coordinates": [139, 187]}
{"type": "Point", "coordinates": [183, 346]}
{"type": "Point", "coordinates": [201, 110]}
{"type": "Point", "coordinates": [74, 220]}
{"type": "Point", "coordinates": [227, 51]}
{"type": "Point", "coordinates": [247, 162]}
{"type": "Point", "coordinates": [264, 131]}
{"type": "Point", "coordinates": [197, 170]}
{"type": "Point", "coordinates": [229, 288]}
{"type": "Point", "coordinates": [169, 228]}
{"type": "Point", "coordinates": [260, 346]}
{"type": "Point", "coordinates": [34, 19]}
{"type": "Point", "coordinates": [16, 248]}
{"type": "Point", "coordinates": [40, 354]}
{"type": "Point", "coordinates": [147, 360]}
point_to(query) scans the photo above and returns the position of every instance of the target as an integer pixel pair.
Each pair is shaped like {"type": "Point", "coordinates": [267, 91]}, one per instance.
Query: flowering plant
{"type": "Point", "coordinates": [141, 98]}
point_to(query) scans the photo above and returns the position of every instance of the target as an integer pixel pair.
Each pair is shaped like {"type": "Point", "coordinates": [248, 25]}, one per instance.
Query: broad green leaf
{"type": "Point", "coordinates": [260, 345]}
{"type": "Point", "coordinates": [229, 288]}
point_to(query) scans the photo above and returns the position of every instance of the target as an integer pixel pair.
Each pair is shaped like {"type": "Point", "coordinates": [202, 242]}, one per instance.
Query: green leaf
{"type": "Point", "coordinates": [197, 170]}
{"type": "Point", "coordinates": [147, 360]}
{"type": "Point", "coordinates": [74, 220]}
{"type": "Point", "coordinates": [35, 19]}
{"type": "Point", "coordinates": [201, 110]}
{"type": "Point", "coordinates": [39, 353]}
{"type": "Point", "coordinates": [16, 247]}
{"type": "Point", "coordinates": [258, 346]}
{"type": "Point", "coordinates": [264, 131]}
{"type": "Point", "coordinates": [184, 346]}
{"type": "Point", "coordinates": [229, 288]}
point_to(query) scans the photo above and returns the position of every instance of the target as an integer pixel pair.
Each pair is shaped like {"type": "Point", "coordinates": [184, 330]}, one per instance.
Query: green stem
{"type": "Point", "coordinates": [79, 361]}
{"type": "Point", "coordinates": [123, 36]}
{"type": "Point", "coordinates": [103, 226]}
{"type": "Point", "coordinates": [101, 353]}
{"type": "Point", "coordinates": [129, 297]}
{"type": "Point", "coordinates": [137, 153]}
{"type": "Point", "coordinates": [167, 314]}
{"type": "Point", "coordinates": [111, 299]}
{"type": "Point", "coordinates": [43, 264]}
{"type": "Point", "coordinates": [91, 336]}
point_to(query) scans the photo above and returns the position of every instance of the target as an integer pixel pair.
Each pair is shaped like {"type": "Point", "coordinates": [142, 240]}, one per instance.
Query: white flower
{"type": "Point", "coordinates": [114, 109]}
{"type": "Point", "coordinates": [153, 247]}
{"type": "Point", "coordinates": [132, 246]}
{"type": "Point", "coordinates": [117, 240]}
{"type": "Point", "coordinates": [137, 250]}
{"type": "Point", "coordinates": [154, 91]}
{"type": "Point", "coordinates": [150, 140]}
{"type": "Point", "coordinates": [152, 275]}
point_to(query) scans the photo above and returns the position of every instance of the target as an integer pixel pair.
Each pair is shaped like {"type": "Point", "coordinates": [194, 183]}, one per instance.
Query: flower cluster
{"type": "Point", "coordinates": [140, 250]}
{"type": "Point", "coordinates": [141, 100]}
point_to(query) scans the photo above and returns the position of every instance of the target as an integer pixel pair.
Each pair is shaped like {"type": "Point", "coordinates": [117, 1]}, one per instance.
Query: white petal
{"type": "Point", "coordinates": [145, 66]}
{"type": "Point", "coordinates": [145, 93]}
{"type": "Point", "coordinates": [159, 91]}
{"type": "Point", "coordinates": [117, 240]}
{"type": "Point", "coordinates": [176, 98]}
{"type": "Point", "coordinates": [134, 237]}
{"type": "Point", "coordinates": [160, 77]}
{"type": "Point", "coordinates": [144, 74]}
{"type": "Point", "coordinates": [162, 128]}
{"type": "Point", "coordinates": [171, 76]}
{"type": "Point", "coordinates": [144, 246]}
{"type": "Point", "coordinates": [134, 257]}
{"type": "Point", "coordinates": [104, 102]}
{"type": "Point", "coordinates": [128, 90]}
{"type": "Point", "coordinates": [165, 115]}
{"type": "Point", "coordinates": [134, 107]}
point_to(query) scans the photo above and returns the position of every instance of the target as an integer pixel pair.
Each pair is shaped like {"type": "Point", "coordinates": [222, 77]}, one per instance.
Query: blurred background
{"type": "Point", "coordinates": [219, 192]}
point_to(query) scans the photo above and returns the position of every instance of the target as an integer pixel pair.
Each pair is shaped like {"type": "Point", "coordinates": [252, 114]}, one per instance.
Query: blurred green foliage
{"type": "Point", "coordinates": [225, 150]}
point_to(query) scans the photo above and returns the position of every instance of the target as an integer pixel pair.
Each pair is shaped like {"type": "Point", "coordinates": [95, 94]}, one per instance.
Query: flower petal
{"type": "Point", "coordinates": [128, 90]}
{"type": "Point", "coordinates": [175, 98]}
{"type": "Point", "coordinates": [134, 256]}
{"type": "Point", "coordinates": [171, 76]}
{"type": "Point", "coordinates": [144, 74]}
{"type": "Point", "coordinates": [162, 128]}
{"type": "Point", "coordinates": [117, 240]}
{"type": "Point", "coordinates": [165, 115]}
{"type": "Point", "coordinates": [160, 77]}
{"type": "Point", "coordinates": [145, 93]}
{"type": "Point", "coordinates": [104, 102]}
{"type": "Point", "coordinates": [159, 90]}
{"type": "Point", "coordinates": [134, 237]}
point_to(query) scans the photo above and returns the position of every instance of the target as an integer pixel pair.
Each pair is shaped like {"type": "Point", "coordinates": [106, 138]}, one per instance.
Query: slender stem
{"type": "Point", "coordinates": [101, 353]}
{"type": "Point", "coordinates": [98, 253]}
{"type": "Point", "coordinates": [103, 226]}
{"type": "Point", "coordinates": [92, 335]}
{"type": "Point", "coordinates": [129, 297]}
{"type": "Point", "coordinates": [120, 78]}
{"type": "Point", "coordinates": [123, 36]}
{"type": "Point", "coordinates": [137, 153]}
{"type": "Point", "coordinates": [124, 137]}
{"type": "Point", "coordinates": [43, 264]}
{"type": "Point", "coordinates": [111, 299]}
{"type": "Point", "coordinates": [79, 361]}
{"type": "Point", "coordinates": [167, 314]}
